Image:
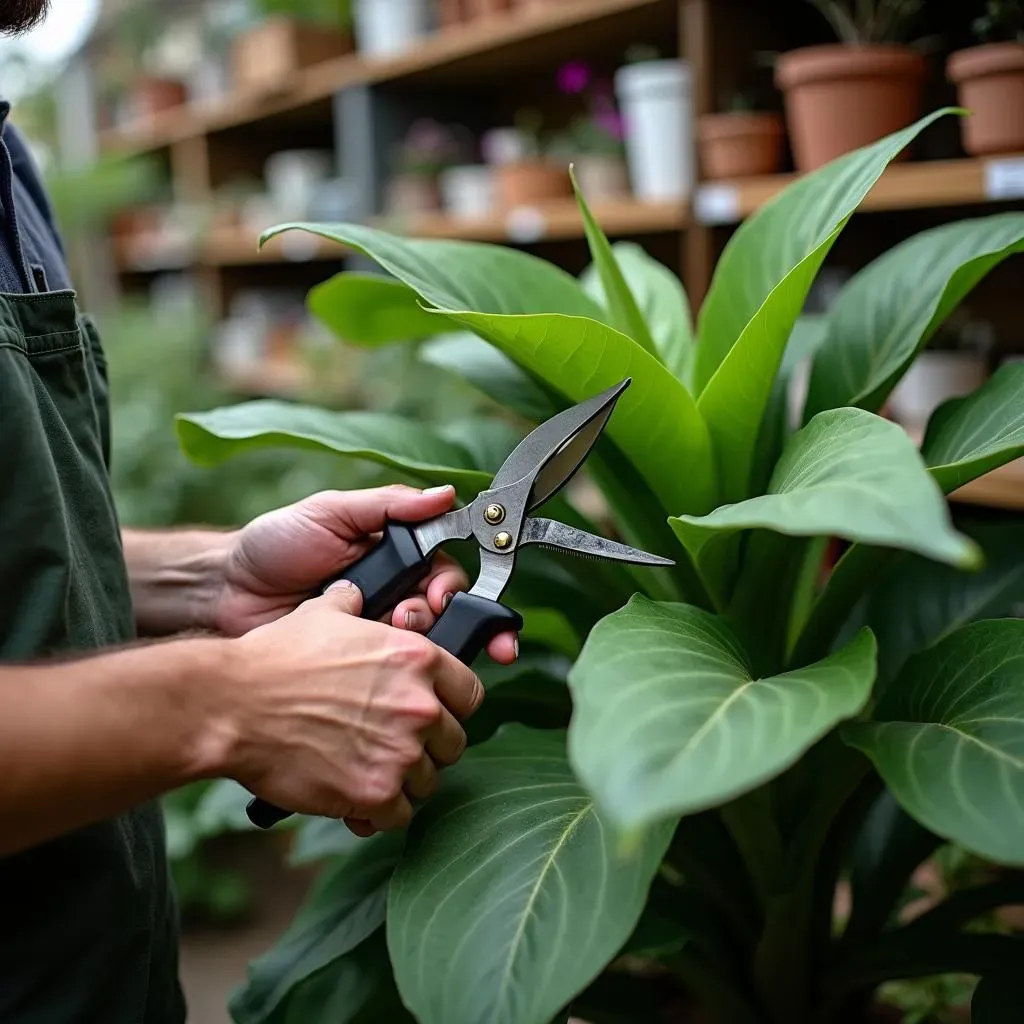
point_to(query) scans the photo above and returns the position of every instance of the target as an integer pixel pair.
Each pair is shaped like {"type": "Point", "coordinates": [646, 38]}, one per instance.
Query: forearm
{"type": "Point", "coordinates": [84, 741]}
{"type": "Point", "coordinates": [176, 578]}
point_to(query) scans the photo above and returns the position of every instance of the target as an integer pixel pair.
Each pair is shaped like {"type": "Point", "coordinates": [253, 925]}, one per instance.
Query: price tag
{"type": "Point", "coordinates": [1004, 179]}
{"type": "Point", "coordinates": [717, 204]}
{"type": "Point", "coordinates": [526, 224]}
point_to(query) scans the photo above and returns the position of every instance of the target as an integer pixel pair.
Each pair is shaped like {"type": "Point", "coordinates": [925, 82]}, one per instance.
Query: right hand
{"type": "Point", "coordinates": [343, 718]}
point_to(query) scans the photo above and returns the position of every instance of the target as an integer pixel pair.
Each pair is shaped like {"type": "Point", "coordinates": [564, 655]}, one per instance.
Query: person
{"type": "Point", "coordinates": [134, 663]}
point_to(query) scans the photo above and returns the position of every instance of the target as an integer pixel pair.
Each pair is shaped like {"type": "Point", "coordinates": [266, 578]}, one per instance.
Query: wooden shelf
{"type": "Point", "coordinates": [1003, 488]}
{"type": "Point", "coordinates": [549, 222]}
{"type": "Point", "coordinates": [513, 38]}
{"type": "Point", "coordinates": [907, 186]}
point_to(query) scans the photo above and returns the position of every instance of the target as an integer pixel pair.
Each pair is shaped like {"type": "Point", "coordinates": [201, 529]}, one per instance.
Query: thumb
{"type": "Point", "coordinates": [344, 597]}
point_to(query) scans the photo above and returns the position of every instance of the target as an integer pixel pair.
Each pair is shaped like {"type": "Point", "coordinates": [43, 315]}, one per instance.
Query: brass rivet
{"type": "Point", "coordinates": [502, 540]}
{"type": "Point", "coordinates": [494, 514]}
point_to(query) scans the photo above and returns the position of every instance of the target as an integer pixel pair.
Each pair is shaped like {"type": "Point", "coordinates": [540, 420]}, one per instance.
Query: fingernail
{"type": "Point", "coordinates": [341, 585]}
{"type": "Point", "coordinates": [446, 600]}
{"type": "Point", "coordinates": [515, 645]}
{"type": "Point", "coordinates": [412, 620]}
{"type": "Point", "coordinates": [444, 489]}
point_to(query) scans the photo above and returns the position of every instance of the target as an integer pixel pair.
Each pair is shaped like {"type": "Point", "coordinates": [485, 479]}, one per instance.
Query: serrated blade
{"type": "Point", "coordinates": [551, 534]}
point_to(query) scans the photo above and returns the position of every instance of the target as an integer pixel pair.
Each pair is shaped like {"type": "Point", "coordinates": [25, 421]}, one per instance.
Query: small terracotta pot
{"type": "Point", "coordinates": [152, 96]}
{"type": "Point", "coordinates": [602, 177]}
{"type": "Point", "coordinates": [740, 145]}
{"type": "Point", "coordinates": [529, 182]}
{"type": "Point", "coordinates": [410, 194]}
{"type": "Point", "coordinates": [991, 85]}
{"type": "Point", "coordinates": [840, 98]}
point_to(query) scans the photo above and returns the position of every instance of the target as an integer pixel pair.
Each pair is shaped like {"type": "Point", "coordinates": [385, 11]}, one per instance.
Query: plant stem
{"type": "Point", "coordinates": [859, 567]}
{"type": "Point", "coordinates": [964, 906]}
{"type": "Point", "coordinates": [751, 824]}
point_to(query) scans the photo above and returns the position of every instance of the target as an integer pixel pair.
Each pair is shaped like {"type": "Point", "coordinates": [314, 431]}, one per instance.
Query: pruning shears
{"type": "Point", "coordinates": [499, 520]}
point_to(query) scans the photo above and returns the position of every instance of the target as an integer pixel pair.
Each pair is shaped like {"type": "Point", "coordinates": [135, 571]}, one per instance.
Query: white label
{"type": "Point", "coordinates": [717, 204]}
{"type": "Point", "coordinates": [1004, 179]}
{"type": "Point", "coordinates": [526, 224]}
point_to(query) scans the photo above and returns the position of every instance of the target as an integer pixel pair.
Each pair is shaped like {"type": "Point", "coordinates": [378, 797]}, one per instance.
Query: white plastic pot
{"type": "Point", "coordinates": [387, 27]}
{"type": "Point", "coordinates": [933, 379]}
{"type": "Point", "coordinates": [656, 99]}
{"type": "Point", "coordinates": [468, 191]}
{"type": "Point", "coordinates": [293, 177]}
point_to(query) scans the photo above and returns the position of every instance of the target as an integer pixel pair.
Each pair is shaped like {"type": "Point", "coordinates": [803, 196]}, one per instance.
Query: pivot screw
{"type": "Point", "coordinates": [494, 514]}
{"type": "Point", "coordinates": [502, 540]}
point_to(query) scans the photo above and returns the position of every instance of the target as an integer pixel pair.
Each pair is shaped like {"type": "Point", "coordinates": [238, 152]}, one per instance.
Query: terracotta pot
{"type": "Point", "coordinates": [602, 177]}
{"type": "Point", "coordinates": [839, 98]}
{"type": "Point", "coordinates": [529, 182]}
{"type": "Point", "coordinates": [410, 194]}
{"type": "Point", "coordinates": [152, 96]}
{"type": "Point", "coordinates": [991, 85]}
{"type": "Point", "coordinates": [740, 145]}
{"type": "Point", "coordinates": [268, 55]}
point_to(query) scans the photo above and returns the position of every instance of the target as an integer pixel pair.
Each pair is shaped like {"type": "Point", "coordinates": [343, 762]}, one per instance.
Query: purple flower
{"type": "Point", "coordinates": [574, 78]}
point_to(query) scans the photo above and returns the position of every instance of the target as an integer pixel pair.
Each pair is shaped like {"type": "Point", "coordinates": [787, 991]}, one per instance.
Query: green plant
{"type": "Point", "coordinates": [860, 22]}
{"type": "Point", "coordinates": [675, 812]}
{"type": "Point", "coordinates": [325, 12]}
{"type": "Point", "coordinates": [1003, 21]}
{"type": "Point", "coordinates": [429, 148]}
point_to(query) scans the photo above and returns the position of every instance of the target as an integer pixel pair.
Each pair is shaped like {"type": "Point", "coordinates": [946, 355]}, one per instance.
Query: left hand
{"type": "Point", "coordinates": [282, 558]}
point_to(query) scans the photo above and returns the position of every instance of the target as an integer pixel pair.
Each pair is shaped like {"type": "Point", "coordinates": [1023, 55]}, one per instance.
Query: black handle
{"type": "Point", "coordinates": [389, 572]}
{"type": "Point", "coordinates": [468, 625]}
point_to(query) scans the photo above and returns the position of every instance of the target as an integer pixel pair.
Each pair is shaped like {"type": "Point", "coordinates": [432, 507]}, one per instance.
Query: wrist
{"type": "Point", "coordinates": [177, 579]}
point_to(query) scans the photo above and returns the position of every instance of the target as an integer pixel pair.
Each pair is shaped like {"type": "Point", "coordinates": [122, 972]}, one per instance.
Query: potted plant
{"type": "Point", "coordinates": [525, 172]}
{"type": "Point", "coordinates": [664, 799]}
{"type": "Point", "coordinates": [656, 99]}
{"type": "Point", "coordinates": [428, 149]}
{"type": "Point", "coordinates": [743, 142]}
{"type": "Point", "coordinates": [843, 96]}
{"type": "Point", "coordinates": [595, 139]}
{"type": "Point", "coordinates": [385, 28]}
{"type": "Point", "coordinates": [290, 35]}
{"type": "Point", "coordinates": [990, 79]}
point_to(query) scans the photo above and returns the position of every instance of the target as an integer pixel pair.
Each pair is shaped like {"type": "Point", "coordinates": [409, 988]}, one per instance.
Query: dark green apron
{"type": "Point", "coordinates": [88, 930]}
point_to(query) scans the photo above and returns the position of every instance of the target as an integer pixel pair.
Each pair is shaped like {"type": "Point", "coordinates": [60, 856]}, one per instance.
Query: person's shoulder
{"type": "Point", "coordinates": [24, 165]}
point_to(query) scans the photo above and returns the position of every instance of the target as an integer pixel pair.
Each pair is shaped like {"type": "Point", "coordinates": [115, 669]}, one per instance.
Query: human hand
{"type": "Point", "coordinates": [335, 716]}
{"type": "Point", "coordinates": [281, 559]}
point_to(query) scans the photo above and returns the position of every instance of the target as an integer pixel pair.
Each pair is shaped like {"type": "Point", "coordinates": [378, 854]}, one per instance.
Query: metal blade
{"type": "Point", "coordinates": [551, 534]}
{"type": "Point", "coordinates": [435, 533]}
{"type": "Point", "coordinates": [553, 452]}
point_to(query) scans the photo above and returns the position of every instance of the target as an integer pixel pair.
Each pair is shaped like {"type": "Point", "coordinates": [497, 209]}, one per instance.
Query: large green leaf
{"type": "Point", "coordinates": [623, 311]}
{"type": "Point", "coordinates": [848, 474]}
{"type": "Point", "coordinates": [346, 906]}
{"type": "Point", "coordinates": [893, 307]}
{"type": "Point", "coordinates": [969, 437]}
{"type": "Point", "coordinates": [491, 371]}
{"type": "Point", "coordinates": [370, 310]}
{"type": "Point", "coordinates": [513, 893]}
{"type": "Point", "coordinates": [759, 290]}
{"type": "Point", "coordinates": [948, 739]}
{"type": "Point", "coordinates": [430, 456]}
{"type": "Point", "coordinates": [669, 719]}
{"type": "Point", "coordinates": [917, 603]}
{"type": "Point", "coordinates": [662, 301]}
{"type": "Point", "coordinates": [542, 318]}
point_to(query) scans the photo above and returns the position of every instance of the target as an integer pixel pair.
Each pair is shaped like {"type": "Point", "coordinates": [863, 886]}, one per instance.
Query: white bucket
{"type": "Point", "coordinates": [387, 27]}
{"type": "Point", "coordinates": [656, 98]}
{"type": "Point", "coordinates": [468, 191]}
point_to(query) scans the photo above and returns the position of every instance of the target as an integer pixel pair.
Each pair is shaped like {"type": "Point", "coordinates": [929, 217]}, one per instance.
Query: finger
{"type": "Point", "coordinates": [504, 649]}
{"type": "Point", "coordinates": [413, 614]}
{"type": "Point", "coordinates": [421, 782]}
{"type": "Point", "coordinates": [444, 585]}
{"type": "Point", "coordinates": [392, 816]}
{"type": "Point", "coordinates": [345, 597]}
{"type": "Point", "coordinates": [456, 686]}
{"type": "Point", "coordinates": [360, 828]}
{"type": "Point", "coordinates": [445, 741]}
{"type": "Point", "coordinates": [361, 513]}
